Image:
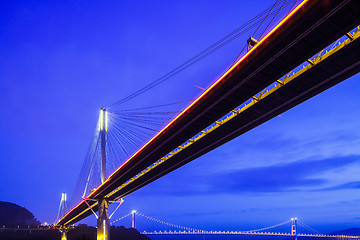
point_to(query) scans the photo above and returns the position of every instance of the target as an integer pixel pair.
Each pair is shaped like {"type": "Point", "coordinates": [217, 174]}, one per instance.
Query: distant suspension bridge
{"type": "Point", "coordinates": [295, 223]}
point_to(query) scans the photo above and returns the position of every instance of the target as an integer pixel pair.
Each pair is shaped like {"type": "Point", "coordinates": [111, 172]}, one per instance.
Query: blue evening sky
{"type": "Point", "coordinates": [60, 61]}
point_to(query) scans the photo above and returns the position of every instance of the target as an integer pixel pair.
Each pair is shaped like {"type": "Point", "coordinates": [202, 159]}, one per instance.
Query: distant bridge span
{"type": "Point", "coordinates": [244, 233]}
{"type": "Point", "coordinates": [309, 28]}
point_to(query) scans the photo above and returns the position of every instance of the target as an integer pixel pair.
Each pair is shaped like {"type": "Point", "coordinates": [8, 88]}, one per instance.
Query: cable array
{"type": "Point", "coordinates": [120, 218]}
{"type": "Point", "coordinates": [309, 228]}
{"type": "Point", "coordinates": [274, 226]}
{"type": "Point", "coordinates": [257, 21]}
{"type": "Point", "coordinates": [167, 223]}
{"type": "Point", "coordinates": [127, 131]}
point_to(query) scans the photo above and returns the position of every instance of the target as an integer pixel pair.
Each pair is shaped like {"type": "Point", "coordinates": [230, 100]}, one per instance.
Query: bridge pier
{"type": "Point", "coordinates": [63, 230]}
{"type": "Point", "coordinates": [103, 221]}
{"type": "Point", "coordinates": [63, 235]}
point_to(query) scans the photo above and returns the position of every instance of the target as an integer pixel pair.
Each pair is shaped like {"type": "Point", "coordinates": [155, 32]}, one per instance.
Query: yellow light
{"type": "Point", "coordinates": [63, 197]}
{"type": "Point", "coordinates": [106, 120]}
{"type": "Point", "coordinates": [63, 236]}
{"type": "Point", "coordinates": [101, 119]}
{"type": "Point", "coordinates": [104, 223]}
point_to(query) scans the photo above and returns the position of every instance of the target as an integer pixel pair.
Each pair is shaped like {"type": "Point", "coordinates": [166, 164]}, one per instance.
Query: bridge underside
{"type": "Point", "coordinates": [303, 34]}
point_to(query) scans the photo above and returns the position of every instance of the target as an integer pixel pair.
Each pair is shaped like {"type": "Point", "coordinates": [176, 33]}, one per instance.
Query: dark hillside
{"type": "Point", "coordinates": [12, 215]}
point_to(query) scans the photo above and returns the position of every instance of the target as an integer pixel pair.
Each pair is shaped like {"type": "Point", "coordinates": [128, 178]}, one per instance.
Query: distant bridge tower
{"type": "Point", "coordinates": [61, 214]}
{"type": "Point", "coordinates": [294, 228]}
{"type": "Point", "coordinates": [62, 208]}
{"type": "Point", "coordinates": [103, 221]}
{"type": "Point", "coordinates": [133, 219]}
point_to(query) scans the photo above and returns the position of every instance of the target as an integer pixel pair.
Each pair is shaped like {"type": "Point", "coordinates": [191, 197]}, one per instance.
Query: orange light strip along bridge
{"type": "Point", "coordinates": [214, 118]}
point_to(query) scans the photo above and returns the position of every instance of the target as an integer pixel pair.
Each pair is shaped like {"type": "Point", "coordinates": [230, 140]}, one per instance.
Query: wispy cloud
{"type": "Point", "coordinates": [349, 185]}
{"type": "Point", "coordinates": [287, 177]}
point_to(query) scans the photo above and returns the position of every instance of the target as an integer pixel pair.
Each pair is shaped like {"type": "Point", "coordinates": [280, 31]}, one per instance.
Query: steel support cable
{"type": "Point", "coordinates": [133, 137]}
{"type": "Point", "coordinates": [121, 218]}
{"type": "Point", "coordinates": [148, 121]}
{"type": "Point", "coordinates": [238, 56]}
{"type": "Point", "coordinates": [86, 170]}
{"type": "Point", "coordinates": [153, 115]}
{"type": "Point", "coordinates": [90, 180]}
{"type": "Point", "coordinates": [146, 113]}
{"type": "Point", "coordinates": [240, 53]}
{"type": "Point", "coordinates": [167, 223]}
{"type": "Point", "coordinates": [126, 139]}
{"type": "Point", "coordinates": [134, 143]}
{"type": "Point", "coordinates": [309, 228]}
{"type": "Point", "coordinates": [195, 61]}
{"type": "Point", "coordinates": [144, 119]}
{"type": "Point", "coordinates": [265, 17]}
{"type": "Point", "coordinates": [129, 144]}
{"type": "Point", "coordinates": [115, 151]}
{"type": "Point", "coordinates": [178, 70]}
{"type": "Point", "coordinates": [156, 106]}
{"type": "Point", "coordinates": [139, 126]}
{"type": "Point", "coordinates": [87, 164]}
{"type": "Point", "coordinates": [154, 83]}
{"type": "Point", "coordinates": [126, 154]}
{"type": "Point", "coordinates": [111, 153]}
{"type": "Point", "coordinates": [224, 41]}
{"type": "Point", "coordinates": [292, 7]}
{"type": "Point", "coordinates": [277, 12]}
{"type": "Point", "coordinates": [58, 214]}
{"type": "Point", "coordinates": [136, 132]}
{"type": "Point", "coordinates": [120, 151]}
{"type": "Point", "coordinates": [139, 117]}
{"type": "Point", "coordinates": [266, 228]}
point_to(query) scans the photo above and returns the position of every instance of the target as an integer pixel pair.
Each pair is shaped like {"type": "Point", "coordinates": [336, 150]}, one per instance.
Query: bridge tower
{"type": "Point", "coordinates": [133, 219]}
{"type": "Point", "coordinates": [62, 207]}
{"type": "Point", "coordinates": [61, 213]}
{"type": "Point", "coordinates": [103, 221]}
{"type": "Point", "coordinates": [294, 228]}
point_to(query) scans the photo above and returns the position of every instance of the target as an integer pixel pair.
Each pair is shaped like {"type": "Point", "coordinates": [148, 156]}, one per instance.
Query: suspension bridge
{"type": "Point", "coordinates": [294, 226]}
{"type": "Point", "coordinates": [314, 47]}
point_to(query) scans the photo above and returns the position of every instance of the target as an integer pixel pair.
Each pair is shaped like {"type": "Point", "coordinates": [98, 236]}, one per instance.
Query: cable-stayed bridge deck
{"type": "Point", "coordinates": [304, 32]}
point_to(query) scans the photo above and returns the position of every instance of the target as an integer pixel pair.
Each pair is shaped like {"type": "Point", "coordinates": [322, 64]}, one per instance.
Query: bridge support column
{"type": "Point", "coordinates": [133, 219]}
{"type": "Point", "coordinates": [103, 221]}
{"type": "Point", "coordinates": [294, 228]}
{"type": "Point", "coordinates": [63, 230]}
{"type": "Point", "coordinates": [64, 235]}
